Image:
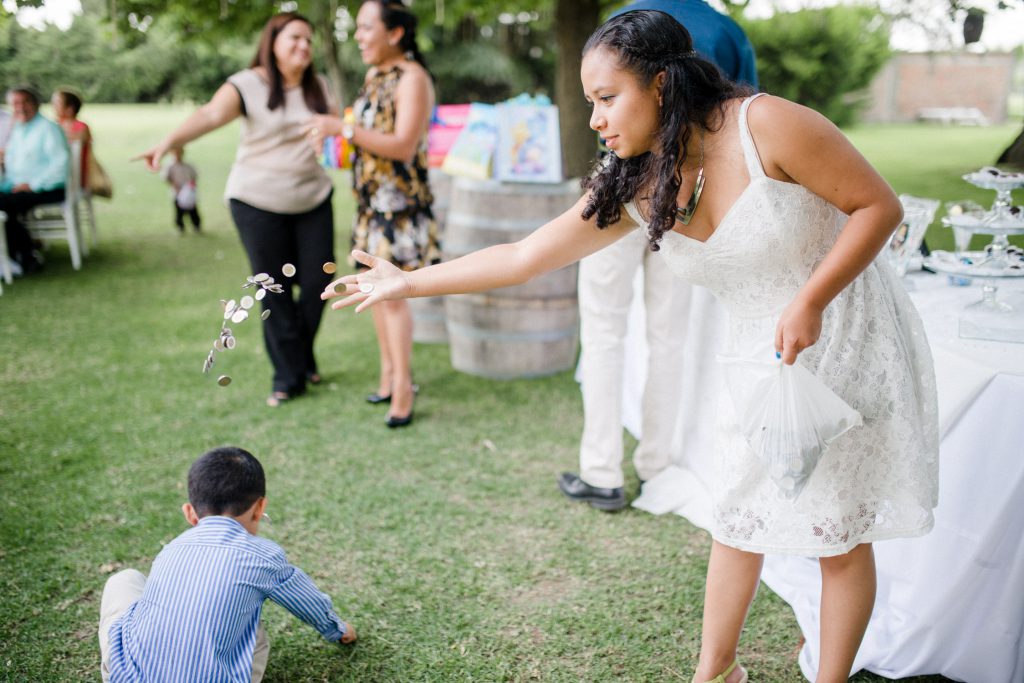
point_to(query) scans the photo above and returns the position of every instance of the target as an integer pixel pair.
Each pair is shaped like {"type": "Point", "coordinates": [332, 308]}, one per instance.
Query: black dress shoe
{"type": "Point", "coordinates": [575, 488]}
{"type": "Point", "coordinates": [394, 422]}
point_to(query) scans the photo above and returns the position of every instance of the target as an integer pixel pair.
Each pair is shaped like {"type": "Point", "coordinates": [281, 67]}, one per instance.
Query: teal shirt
{"type": "Point", "coordinates": [36, 153]}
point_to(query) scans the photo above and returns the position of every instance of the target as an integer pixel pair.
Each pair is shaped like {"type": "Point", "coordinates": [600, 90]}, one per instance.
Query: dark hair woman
{"type": "Point", "coordinates": [393, 214]}
{"type": "Point", "coordinates": [764, 202]}
{"type": "Point", "coordinates": [280, 197]}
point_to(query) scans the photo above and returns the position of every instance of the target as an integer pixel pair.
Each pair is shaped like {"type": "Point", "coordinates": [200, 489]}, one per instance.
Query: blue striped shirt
{"type": "Point", "coordinates": [197, 617]}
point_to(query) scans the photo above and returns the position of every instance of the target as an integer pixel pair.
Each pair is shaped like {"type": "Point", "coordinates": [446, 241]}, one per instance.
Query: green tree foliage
{"type": "Point", "coordinates": [821, 58]}
{"type": "Point", "coordinates": [89, 59]}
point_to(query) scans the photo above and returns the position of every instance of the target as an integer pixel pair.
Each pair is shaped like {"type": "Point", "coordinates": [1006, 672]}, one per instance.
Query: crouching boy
{"type": "Point", "coordinates": [197, 616]}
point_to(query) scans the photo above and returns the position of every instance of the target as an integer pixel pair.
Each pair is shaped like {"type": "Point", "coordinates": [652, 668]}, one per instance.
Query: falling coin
{"type": "Point", "coordinates": [224, 380]}
{"type": "Point", "coordinates": [288, 270]}
{"type": "Point", "coordinates": [219, 345]}
{"type": "Point", "coordinates": [366, 288]}
{"type": "Point", "coordinates": [229, 343]}
{"type": "Point", "coordinates": [239, 315]}
{"type": "Point", "coordinates": [265, 314]}
{"type": "Point", "coordinates": [247, 302]}
{"type": "Point", "coordinates": [260, 293]}
{"type": "Point", "coordinates": [260, 277]}
{"type": "Point", "coordinates": [330, 268]}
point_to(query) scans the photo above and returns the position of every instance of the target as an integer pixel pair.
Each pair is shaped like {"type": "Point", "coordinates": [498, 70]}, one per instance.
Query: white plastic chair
{"type": "Point", "coordinates": [50, 222]}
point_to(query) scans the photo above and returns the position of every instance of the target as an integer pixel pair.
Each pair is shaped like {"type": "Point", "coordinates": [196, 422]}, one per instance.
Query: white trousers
{"type": "Point", "coordinates": [605, 295]}
{"type": "Point", "coordinates": [122, 590]}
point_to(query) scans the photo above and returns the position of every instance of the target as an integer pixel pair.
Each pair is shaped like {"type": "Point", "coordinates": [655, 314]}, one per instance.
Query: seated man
{"type": "Point", "coordinates": [197, 616]}
{"type": "Point", "coordinates": [35, 170]}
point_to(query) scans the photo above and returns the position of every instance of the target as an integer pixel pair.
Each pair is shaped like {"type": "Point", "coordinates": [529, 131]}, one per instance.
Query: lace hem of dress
{"type": "Point", "coordinates": [873, 536]}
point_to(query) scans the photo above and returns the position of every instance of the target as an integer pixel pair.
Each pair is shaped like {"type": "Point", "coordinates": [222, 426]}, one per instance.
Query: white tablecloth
{"type": "Point", "coordinates": [951, 602]}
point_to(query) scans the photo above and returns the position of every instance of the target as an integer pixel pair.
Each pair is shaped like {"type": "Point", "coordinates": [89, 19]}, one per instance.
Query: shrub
{"type": "Point", "coordinates": [821, 58]}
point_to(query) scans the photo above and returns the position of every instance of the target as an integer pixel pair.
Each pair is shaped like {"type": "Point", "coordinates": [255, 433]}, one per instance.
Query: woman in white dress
{"type": "Point", "coordinates": [785, 232]}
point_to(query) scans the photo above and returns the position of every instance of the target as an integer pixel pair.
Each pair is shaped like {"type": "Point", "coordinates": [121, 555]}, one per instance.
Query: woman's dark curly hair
{"type": "Point", "coordinates": [649, 42]}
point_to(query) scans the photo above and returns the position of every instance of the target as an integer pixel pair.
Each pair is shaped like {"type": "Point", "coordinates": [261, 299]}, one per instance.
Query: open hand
{"type": "Point", "coordinates": [799, 327]}
{"type": "Point", "coordinates": [383, 282]}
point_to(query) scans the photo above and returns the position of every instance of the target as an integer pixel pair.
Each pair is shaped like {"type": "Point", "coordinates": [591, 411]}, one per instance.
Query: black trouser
{"type": "Point", "coordinates": [306, 240]}
{"type": "Point", "coordinates": [19, 242]}
{"type": "Point", "coordinates": [193, 214]}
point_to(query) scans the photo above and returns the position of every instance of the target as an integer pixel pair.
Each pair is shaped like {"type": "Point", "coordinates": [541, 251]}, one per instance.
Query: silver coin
{"type": "Point", "coordinates": [265, 314]}
{"type": "Point", "coordinates": [260, 293]}
{"type": "Point", "coordinates": [269, 281]}
{"type": "Point", "coordinates": [288, 270]}
{"type": "Point", "coordinates": [276, 289]}
{"type": "Point", "coordinates": [224, 380]}
{"type": "Point", "coordinates": [246, 302]}
{"type": "Point", "coordinates": [218, 344]}
{"type": "Point", "coordinates": [239, 316]}
{"type": "Point", "coordinates": [330, 268]}
{"type": "Point", "coordinates": [260, 277]}
{"type": "Point", "coordinates": [223, 304]}
{"type": "Point", "coordinates": [365, 288]}
{"type": "Point", "coordinates": [225, 332]}
{"type": "Point", "coordinates": [229, 343]}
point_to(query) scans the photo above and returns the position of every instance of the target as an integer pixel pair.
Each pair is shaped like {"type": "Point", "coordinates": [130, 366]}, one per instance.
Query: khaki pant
{"type": "Point", "coordinates": [605, 296]}
{"type": "Point", "coordinates": [123, 589]}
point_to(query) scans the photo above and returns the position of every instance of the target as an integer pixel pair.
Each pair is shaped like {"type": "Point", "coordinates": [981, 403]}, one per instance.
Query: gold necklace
{"type": "Point", "coordinates": [685, 214]}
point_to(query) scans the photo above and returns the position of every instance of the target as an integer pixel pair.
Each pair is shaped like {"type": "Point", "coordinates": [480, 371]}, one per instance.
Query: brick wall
{"type": "Point", "coordinates": [912, 81]}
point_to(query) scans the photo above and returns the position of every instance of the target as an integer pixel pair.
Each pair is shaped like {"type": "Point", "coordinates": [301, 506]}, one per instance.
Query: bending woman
{"type": "Point", "coordinates": [393, 216]}
{"type": "Point", "coordinates": [280, 197]}
{"type": "Point", "coordinates": [785, 234]}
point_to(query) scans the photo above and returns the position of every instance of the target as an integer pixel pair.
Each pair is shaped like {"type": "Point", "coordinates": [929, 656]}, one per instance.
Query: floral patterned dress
{"type": "Point", "coordinates": [393, 218]}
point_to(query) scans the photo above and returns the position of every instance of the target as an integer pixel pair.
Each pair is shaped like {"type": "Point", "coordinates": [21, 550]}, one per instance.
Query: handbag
{"type": "Point", "coordinates": [99, 183]}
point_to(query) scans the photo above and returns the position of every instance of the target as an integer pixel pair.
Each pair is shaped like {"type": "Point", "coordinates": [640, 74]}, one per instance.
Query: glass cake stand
{"type": "Point", "coordinates": [989, 318]}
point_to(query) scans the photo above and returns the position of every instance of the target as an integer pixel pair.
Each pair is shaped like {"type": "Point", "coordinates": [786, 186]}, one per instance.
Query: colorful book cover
{"type": "Point", "coordinates": [529, 150]}
{"type": "Point", "coordinates": [445, 126]}
{"type": "Point", "coordinates": [472, 152]}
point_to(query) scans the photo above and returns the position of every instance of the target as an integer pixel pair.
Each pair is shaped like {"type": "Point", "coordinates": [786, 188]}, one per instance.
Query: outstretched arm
{"type": "Point", "coordinates": [224, 107]}
{"type": "Point", "coordinates": [800, 145]}
{"type": "Point", "coordinates": [560, 242]}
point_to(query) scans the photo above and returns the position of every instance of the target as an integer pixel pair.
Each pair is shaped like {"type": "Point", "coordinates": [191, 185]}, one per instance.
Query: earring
{"type": "Point", "coordinates": [410, 56]}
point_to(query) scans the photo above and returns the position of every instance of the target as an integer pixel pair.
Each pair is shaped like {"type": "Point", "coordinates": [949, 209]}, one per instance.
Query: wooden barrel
{"type": "Point", "coordinates": [428, 318]}
{"type": "Point", "coordinates": [529, 330]}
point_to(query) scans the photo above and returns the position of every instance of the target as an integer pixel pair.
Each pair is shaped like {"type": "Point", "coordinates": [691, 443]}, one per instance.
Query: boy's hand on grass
{"type": "Point", "coordinates": [350, 634]}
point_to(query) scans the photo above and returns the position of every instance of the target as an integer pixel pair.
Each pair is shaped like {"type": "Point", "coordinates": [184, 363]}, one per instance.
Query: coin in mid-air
{"type": "Point", "coordinates": [265, 314]}
{"type": "Point", "coordinates": [239, 315]}
{"type": "Point", "coordinates": [260, 277]}
{"type": "Point", "coordinates": [224, 380]}
{"type": "Point", "coordinates": [260, 293]}
{"type": "Point", "coordinates": [288, 270]}
{"type": "Point", "coordinates": [330, 268]}
{"type": "Point", "coordinates": [246, 302]}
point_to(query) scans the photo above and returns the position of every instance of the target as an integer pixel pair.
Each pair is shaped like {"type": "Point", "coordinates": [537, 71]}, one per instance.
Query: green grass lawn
{"type": "Point", "coordinates": [447, 545]}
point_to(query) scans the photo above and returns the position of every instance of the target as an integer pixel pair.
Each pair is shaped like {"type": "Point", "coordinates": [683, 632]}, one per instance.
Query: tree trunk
{"type": "Point", "coordinates": [323, 16]}
{"type": "Point", "coordinates": [575, 20]}
{"type": "Point", "coordinates": [1014, 154]}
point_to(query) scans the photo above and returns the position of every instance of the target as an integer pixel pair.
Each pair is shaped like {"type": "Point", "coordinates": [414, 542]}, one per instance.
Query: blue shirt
{"type": "Point", "coordinates": [37, 154]}
{"type": "Point", "coordinates": [717, 37]}
{"type": "Point", "coordinates": [197, 617]}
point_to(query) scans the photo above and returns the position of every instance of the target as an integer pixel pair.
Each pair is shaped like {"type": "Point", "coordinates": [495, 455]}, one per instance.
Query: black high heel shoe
{"type": "Point", "coordinates": [376, 398]}
{"type": "Point", "coordinates": [392, 422]}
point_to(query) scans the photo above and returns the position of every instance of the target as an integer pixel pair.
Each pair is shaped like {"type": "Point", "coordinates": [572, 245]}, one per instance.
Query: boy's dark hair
{"type": "Point", "coordinates": [225, 480]}
{"type": "Point", "coordinates": [71, 100]}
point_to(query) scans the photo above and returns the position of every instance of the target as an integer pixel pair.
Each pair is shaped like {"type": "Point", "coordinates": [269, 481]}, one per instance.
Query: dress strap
{"type": "Point", "coordinates": [754, 166]}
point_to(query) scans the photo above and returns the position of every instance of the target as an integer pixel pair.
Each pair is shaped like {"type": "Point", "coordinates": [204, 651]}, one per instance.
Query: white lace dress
{"type": "Point", "coordinates": [876, 481]}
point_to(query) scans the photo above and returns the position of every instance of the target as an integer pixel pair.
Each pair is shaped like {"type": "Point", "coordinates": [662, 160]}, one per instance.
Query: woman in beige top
{"type": "Point", "coordinates": [279, 195]}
